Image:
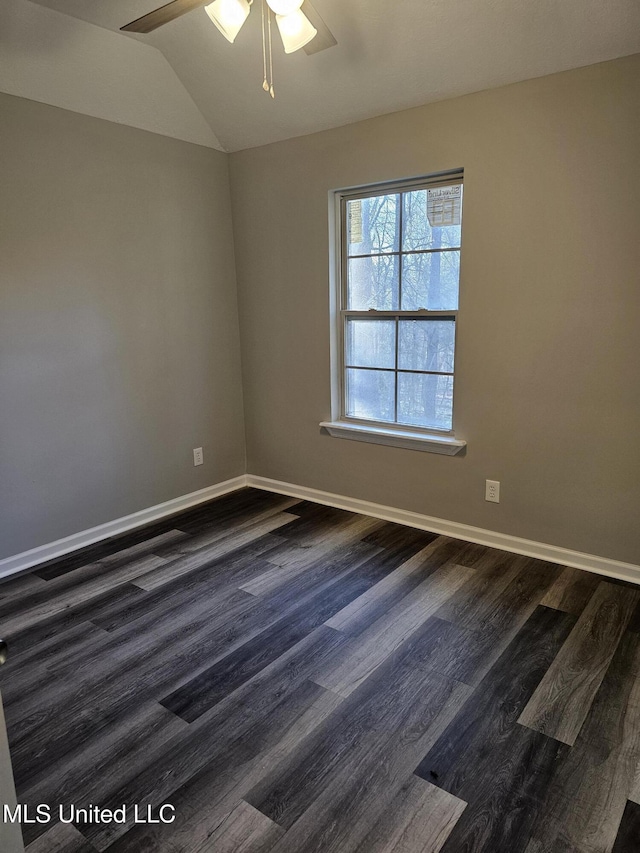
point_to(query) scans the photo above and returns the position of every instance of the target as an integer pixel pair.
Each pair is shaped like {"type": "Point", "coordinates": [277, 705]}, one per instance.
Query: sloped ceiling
{"type": "Point", "coordinates": [49, 57]}
{"type": "Point", "coordinates": [391, 54]}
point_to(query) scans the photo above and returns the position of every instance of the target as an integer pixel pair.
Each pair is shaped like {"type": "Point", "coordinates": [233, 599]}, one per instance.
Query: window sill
{"type": "Point", "coordinates": [444, 444]}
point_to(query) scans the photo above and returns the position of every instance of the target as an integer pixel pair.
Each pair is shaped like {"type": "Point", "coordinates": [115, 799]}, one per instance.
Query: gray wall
{"type": "Point", "coordinates": [119, 349]}
{"type": "Point", "coordinates": [548, 358]}
{"type": "Point", "coordinates": [119, 346]}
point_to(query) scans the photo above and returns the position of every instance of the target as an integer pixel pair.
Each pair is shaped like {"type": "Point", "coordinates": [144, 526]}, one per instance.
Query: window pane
{"type": "Point", "coordinates": [426, 345]}
{"type": "Point", "coordinates": [373, 283]}
{"type": "Point", "coordinates": [371, 343]}
{"type": "Point", "coordinates": [419, 233]}
{"type": "Point", "coordinates": [425, 400]}
{"type": "Point", "coordinates": [430, 281]}
{"type": "Point", "coordinates": [370, 394]}
{"type": "Point", "coordinates": [373, 225]}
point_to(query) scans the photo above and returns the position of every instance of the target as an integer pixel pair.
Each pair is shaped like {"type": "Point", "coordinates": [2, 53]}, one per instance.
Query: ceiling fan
{"type": "Point", "coordinates": [299, 24]}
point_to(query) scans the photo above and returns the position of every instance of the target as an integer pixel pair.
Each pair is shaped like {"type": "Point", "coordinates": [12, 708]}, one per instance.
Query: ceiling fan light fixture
{"type": "Point", "coordinates": [296, 30]}
{"type": "Point", "coordinates": [228, 16]}
{"type": "Point", "coordinates": [284, 7]}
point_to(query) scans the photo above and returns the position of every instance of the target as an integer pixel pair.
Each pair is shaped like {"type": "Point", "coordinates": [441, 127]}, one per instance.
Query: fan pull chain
{"type": "Point", "coordinates": [271, 92]}
{"type": "Point", "coordinates": [265, 85]}
{"type": "Point", "coordinates": [267, 48]}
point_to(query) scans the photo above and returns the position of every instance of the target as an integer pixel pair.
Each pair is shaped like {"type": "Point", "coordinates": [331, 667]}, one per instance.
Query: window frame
{"type": "Point", "coordinates": [358, 427]}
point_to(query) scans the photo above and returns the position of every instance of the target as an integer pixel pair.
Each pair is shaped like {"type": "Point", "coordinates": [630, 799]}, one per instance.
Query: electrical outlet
{"type": "Point", "coordinates": [492, 491]}
{"type": "Point", "coordinates": [198, 456]}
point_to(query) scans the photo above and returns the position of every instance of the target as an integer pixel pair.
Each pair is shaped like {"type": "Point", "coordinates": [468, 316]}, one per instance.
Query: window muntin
{"type": "Point", "coordinates": [399, 303]}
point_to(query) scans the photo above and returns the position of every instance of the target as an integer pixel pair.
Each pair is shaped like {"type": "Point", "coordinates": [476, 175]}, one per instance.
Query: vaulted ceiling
{"type": "Point", "coordinates": [391, 54]}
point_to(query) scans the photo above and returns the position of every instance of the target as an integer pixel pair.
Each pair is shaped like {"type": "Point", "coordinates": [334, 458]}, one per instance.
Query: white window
{"type": "Point", "coordinates": [396, 311]}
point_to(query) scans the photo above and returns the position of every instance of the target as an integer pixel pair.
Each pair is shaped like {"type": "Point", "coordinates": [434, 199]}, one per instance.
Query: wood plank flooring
{"type": "Point", "coordinates": [293, 678]}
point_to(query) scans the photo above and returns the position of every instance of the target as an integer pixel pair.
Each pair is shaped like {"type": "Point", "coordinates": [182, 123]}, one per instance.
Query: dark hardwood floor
{"type": "Point", "coordinates": [293, 678]}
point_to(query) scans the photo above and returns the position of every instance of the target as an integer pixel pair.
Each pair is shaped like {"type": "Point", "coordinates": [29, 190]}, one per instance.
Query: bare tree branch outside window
{"type": "Point", "coordinates": [398, 367]}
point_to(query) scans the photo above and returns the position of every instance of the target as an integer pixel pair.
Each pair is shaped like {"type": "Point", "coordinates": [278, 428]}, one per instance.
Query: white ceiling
{"type": "Point", "coordinates": [391, 54]}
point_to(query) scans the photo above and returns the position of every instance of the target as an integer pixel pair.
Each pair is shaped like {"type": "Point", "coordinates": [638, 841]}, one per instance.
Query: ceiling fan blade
{"type": "Point", "coordinates": [163, 15]}
{"type": "Point", "coordinates": [325, 38]}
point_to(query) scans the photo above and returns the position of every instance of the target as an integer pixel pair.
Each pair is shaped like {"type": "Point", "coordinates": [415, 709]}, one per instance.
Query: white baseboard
{"type": "Point", "coordinates": [454, 529]}
{"type": "Point", "coordinates": [27, 559]}
{"type": "Point", "coordinates": [502, 541]}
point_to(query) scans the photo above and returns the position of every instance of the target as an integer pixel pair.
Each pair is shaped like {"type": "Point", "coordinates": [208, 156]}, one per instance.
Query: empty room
{"type": "Point", "coordinates": [319, 426]}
